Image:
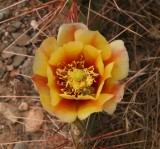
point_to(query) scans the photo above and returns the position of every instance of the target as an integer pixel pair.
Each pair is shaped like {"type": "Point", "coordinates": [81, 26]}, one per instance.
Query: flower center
{"type": "Point", "coordinates": [79, 79]}
{"type": "Point", "coordinates": [75, 79]}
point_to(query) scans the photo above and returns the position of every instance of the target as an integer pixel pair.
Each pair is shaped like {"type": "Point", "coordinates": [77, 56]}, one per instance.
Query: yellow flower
{"type": "Point", "coordinates": [79, 73]}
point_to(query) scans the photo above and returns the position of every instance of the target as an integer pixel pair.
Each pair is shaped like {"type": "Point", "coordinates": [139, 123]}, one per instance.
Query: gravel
{"type": "Point", "coordinates": [17, 24]}
{"type": "Point", "coordinates": [27, 64]}
{"type": "Point", "coordinates": [9, 111]}
{"type": "Point", "coordinates": [3, 69]}
{"type": "Point", "coordinates": [19, 146]}
{"type": "Point", "coordinates": [17, 59]}
{"type": "Point", "coordinates": [23, 40]}
{"type": "Point", "coordinates": [4, 14]}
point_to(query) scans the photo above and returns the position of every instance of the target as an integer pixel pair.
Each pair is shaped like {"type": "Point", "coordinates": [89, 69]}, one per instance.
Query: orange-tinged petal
{"type": "Point", "coordinates": [85, 108]}
{"type": "Point", "coordinates": [40, 64]}
{"type": "Point", "coordinates": [110, 106]}
{"type": "Point", "coordinates": [55, 98]}
{"type": "Point", "coordinates": [80, 97]}
{"type": "Point", "coordinates": [106, 74]}
{"type": "Point", "coordinates": [90, 54]}
{"type": "Point", "coordinates": [57, 57]}
{"type": "Point", "coordinates": [66, 110]}
{"type": "Point", "coordinates": [49, 45]}
{"type": "Point", "coordinates": [41, 84]}
{"type": "Point", "coordinates": [109, 84]}
{"type": "Point", "coordinates": [69, 52]}
{"type": "Point", "coordinates": [120, 57]}
{"type": "Point", "coordinates": [119, 90]}
{"type": "Point", "coordinates": [103, 98]}
{"type": "Point", "coordinates": [73, 50]}
{"type": "Point", "coordinates": [95, 39]}
{"type": "Point", "coordinates": [114, 87]}
{"type": "Point", "coordinates": [66, 32]}
{"type": "Point", "coordinates": [92, 57]}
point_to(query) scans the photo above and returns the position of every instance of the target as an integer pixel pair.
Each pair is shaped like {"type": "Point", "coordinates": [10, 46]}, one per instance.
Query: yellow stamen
{"type": "Point", "coordinates": [75, 79]}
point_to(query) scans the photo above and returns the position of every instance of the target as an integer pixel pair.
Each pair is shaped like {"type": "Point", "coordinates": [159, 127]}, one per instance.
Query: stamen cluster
{"type": "Point", "coordinates": [75, 79]}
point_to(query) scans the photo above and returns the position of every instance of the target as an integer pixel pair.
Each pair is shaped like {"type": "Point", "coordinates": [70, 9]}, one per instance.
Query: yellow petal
{"type": "Point", "coordinates": [44, 91]}
{"type": "Point", "coordinates": [100, 88]}
{"type": "Point", "coordinates": [120, 57]}
{"type": "Point", "coordinates": [80, 97]}
{"type": "Point", "coordinates": [49, 45]}
{"type": "Point", "coordinates": [110, 106]}
{"type": "Point", "coordinates": [40, 64]}
{"type": "Point", "coordinates": [73, 51]}
{"type": "Point", "coordinates": [66, 110]}
{"type": "Point", "coordinates": [50, 76]}
{"type": "Point", "coordinates": [103, 98]}
{"type": "Point", "coordinates": [57, 57]}
{"type": "Point", "coordinates": [108, 71]}
{"type": "Point", "coordinates": [85, 108]}
{"type": "Point", "coordinates": [46, 102]}
{"type": "Point", "coordinates": [115, 88]}
{"type": "Point", "coordinates": [66, 32]}
{"type": "Point", "coordinates": [106, 74]}
{"type": "Point", "coordinates": [55, 98]}
{"type": "Point", "coordinates": [92, 57]}
{"type": "Point", "coordinates": [85, 36]}
{"type": "Point", "coordinates": [120, 70]}
{"type": "Point", "coordinates": [68, 53]}
{"type": "Point", "coordinates": [95, 39]}
{"type": "Point", "coordinates": [101, 43]}
{"type": "Point", "coordinates": [99, 65]}
{"type": "Point", "coordinates": [90, 54]}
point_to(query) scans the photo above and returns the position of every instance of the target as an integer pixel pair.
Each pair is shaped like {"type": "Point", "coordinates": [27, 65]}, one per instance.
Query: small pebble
{"type": "Point", "coordinates": [34, 24]}
{"type": "Point", "coordinates": [6, 34]}
{"type": "Point", "coordinates": [23, 106]}
{"type": "Point", "coordinates": [9, 61]}
{"type": "Point", "coordinates": [2, 127]}
{"type": "Point", "coordinates": [11, 29]}
{"type": "Point", "coordinates": [19, 146]}
{"type": "Point", "coordinates": [4, 14]}
{"type": "Point", "coordinates": [17, 59]}
{"type": "Point", "coordinates": [9, 111]}
{"type": "Point", "coordinates": [17, 24]}
{"type": "Point", "coordinates": [34, 120]}
{"type": "Point", "coordinates": [3, 69]}
{"type": "Point", "coordinates": [27, 64]}
{"type": "Point", "coordinates": [23, 41]}
{"type": "Point", "coordinates": [9, 67]}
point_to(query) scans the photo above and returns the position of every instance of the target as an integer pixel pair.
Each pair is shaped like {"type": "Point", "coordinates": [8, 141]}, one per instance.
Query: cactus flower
{"type": "Point", "coordinates": [79, 73]}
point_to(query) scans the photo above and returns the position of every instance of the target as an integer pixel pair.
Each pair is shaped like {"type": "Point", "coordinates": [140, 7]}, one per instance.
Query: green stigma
{"type": "Point", "coordinates": [78, 75]}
